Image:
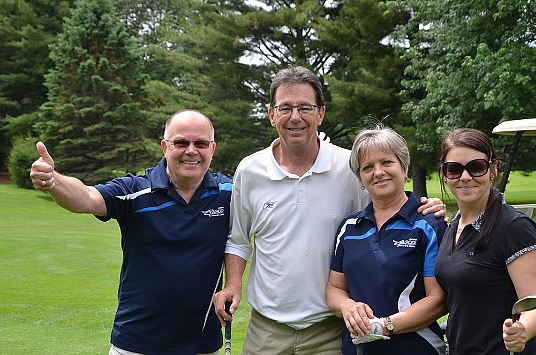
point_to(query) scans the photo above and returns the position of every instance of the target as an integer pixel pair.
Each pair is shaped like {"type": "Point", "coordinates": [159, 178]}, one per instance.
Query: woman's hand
{"type": "Point", "coordinates": [356, 316]}
{"type": "Point", "coordinates": [514, 336]}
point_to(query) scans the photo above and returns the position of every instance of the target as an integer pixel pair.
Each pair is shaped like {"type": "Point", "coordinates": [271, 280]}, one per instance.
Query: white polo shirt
{"type": "Point", "coordinates": [294, 221]}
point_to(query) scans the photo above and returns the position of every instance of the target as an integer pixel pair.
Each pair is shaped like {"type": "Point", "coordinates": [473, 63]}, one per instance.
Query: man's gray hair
{"type": "Point", "coordinates": [296, 75]}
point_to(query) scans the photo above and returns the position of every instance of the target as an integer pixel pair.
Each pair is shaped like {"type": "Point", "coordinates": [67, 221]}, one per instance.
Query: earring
{"type": "Point", "coordinates": [362, 187]}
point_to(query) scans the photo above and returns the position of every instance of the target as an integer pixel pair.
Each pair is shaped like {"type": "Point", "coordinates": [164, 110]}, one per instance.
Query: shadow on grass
{"type": "Point", "coordinates": [46, 197]}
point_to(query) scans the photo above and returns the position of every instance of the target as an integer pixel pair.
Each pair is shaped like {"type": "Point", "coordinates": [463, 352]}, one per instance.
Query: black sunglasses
{"type": "Point", "coordinates": [475, 168]}
{"type": "Point", "coordinates": [184, 143]}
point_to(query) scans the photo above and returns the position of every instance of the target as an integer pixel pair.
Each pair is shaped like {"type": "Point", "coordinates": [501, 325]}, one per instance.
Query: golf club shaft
{"type": "Point", "coordinates": [227, 331]}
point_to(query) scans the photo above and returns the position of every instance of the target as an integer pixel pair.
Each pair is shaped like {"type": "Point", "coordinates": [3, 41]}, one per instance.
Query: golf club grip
{"type": "Point", "coordinates": [228, 330]}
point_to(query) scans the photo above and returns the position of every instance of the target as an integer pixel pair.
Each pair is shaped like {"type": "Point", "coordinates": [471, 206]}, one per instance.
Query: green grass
{"type": "Point", "coordinates": [59, 274]}
{"type": "Point", "coordinates": [59, 277]}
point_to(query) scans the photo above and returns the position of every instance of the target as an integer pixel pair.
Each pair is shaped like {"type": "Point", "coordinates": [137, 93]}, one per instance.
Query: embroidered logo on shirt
{"type": "Point", "coordinates": [408, 243]}
{"type": "Point", "coordinates": [214, 212]}
{"type": "Point", "coordinates": [268, 205]}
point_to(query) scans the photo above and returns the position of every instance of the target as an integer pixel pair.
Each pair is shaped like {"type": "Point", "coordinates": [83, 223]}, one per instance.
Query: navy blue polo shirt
{"type": "Point", "coordinates": [172, 259]}
{"type": "Point", "coordinates": [385, 269]}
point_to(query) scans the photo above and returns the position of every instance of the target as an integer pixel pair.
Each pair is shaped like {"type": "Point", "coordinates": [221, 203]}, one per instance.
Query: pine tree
{"type": "Point", "coordinates": [26, 30]}
{"type": "Point", "coordinates": [94, 122]}
{"type": "Point", "coordinates": [209, 54]}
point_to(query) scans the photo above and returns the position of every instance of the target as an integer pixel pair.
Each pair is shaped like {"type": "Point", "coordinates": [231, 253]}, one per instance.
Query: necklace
{"type": "Point", "coordinates": [459, 232]}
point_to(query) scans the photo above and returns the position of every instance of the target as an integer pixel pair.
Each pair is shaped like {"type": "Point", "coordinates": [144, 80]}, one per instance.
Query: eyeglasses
{"type": "Point", "coordinates": [183, 143]}
{"type": "Point", "coordinates": [475, 168]}
{"type": "Point", "coordinates": [303, 110]}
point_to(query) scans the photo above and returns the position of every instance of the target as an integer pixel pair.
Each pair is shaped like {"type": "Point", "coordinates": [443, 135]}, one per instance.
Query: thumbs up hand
{"type": "Point", "coordinates": [42, 172]}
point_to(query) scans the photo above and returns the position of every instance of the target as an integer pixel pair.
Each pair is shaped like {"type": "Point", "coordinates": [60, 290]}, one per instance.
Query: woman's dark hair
{"type": "Point", "coordinates": [478, 140]}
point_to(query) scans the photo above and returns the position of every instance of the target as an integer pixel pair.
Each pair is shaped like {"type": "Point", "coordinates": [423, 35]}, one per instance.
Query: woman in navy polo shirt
{"type": "Point", "coordinates": [384, 258]}
{"type": "Point", "coordinates": [487, 259]}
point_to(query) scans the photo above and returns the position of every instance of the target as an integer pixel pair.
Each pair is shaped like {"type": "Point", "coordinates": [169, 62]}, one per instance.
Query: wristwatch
{"type": "Point", "coordinates": [390, 326]}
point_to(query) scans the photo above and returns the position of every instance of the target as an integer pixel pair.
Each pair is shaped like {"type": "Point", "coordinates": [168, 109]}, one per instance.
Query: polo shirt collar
{"type": "Point", "coordinates": [407, 212]}
{"type": "Point", "coordinates": [478, 222]}
{"type": "Point", "coordinates": [160, 180]}
{"type": "Point", "coordinates": [158, 177]}
{"type": "Point", "coordinates": [321, 164]}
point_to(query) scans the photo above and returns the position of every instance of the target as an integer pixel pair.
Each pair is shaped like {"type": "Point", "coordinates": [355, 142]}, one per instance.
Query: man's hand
{"type": "Point", "coordinates": [228, 294]}
{"type": "Point", "coordinates": [433, 205]}
{"type": "Point", "coordinates": [42, 172]}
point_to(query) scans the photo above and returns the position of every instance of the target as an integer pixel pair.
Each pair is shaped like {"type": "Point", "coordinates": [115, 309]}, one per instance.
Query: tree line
{"type": "Point", "coordinates": [96, 79]}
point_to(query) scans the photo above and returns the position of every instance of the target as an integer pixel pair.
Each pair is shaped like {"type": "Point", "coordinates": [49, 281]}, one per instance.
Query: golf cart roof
{"type": "Point", "coordinates": [516, 128]}
{"type": "Point", "coordinates": [527, 125]}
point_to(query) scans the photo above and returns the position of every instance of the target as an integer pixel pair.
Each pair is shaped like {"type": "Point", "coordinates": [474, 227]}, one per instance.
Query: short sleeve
{"type": "Point", "coordinates": [520, 237]}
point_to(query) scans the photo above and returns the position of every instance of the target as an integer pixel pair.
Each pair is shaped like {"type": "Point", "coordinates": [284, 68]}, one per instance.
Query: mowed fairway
{"type": "Point", "coordinates": [58, 277]}
{"type": "Point", "coordinates": [59, 274]}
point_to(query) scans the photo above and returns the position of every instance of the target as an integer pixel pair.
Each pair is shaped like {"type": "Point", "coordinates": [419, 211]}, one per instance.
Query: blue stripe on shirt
{"type": "Point", "coordinates": [370, 232]}
{"type": "Point", "coordinates": [431, 249]}
{"type": "Point", "coordinates": [155, 208]}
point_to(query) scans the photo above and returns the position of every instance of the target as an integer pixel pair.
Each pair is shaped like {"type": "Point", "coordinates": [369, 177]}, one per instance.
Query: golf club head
{"type": "Point", "coordinates": [525, 304]}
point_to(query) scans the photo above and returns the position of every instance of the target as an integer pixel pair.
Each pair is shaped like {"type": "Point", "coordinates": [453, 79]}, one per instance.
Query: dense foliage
{"type": "Point", "coordinates": [94, 122]}
{"type": "Point", "coordinates": [418, 66]}
{"type": "Point", "coordinates": [26, 30]}
{"type": "Point", "coordinates": [472, 64]}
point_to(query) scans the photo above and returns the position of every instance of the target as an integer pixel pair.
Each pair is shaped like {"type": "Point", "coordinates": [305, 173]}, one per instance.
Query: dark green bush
{"type": "Point", "coordinates": [21, 156]}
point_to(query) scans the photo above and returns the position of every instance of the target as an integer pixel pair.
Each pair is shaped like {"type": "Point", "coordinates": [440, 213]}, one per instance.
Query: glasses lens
{"type": "Point", "coordinates": [181, 143]}
{"type": "Point", "coordinates": [199, 144]}
{"type": "Point", "coordinates": [284, 110]}
{"type": "Point", "coordinates": [453, 170]}
{"type": "Point", "coordinates": [306, 110]}
{"type": "Point", "coordinates": [477, 167]}
{"type": "Point", "coordinates": [303, 110]}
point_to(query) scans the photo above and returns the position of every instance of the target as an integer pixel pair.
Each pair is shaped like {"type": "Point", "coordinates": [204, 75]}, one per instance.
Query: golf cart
{"type": "Point", "coordinates": [516, 128]}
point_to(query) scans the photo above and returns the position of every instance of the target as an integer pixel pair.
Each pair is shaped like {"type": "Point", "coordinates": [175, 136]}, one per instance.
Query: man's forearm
{"type": "Point", "coordinates": [234, 269]}
{"type": "Point", "coordinates": [71, 194]}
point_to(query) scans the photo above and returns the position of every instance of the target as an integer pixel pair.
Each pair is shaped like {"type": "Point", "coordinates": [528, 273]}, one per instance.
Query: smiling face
{"type": "Point", "coordinates": [295, 130]}
{"type": "Point", "coordinates": [188, 165]}
{"type": "Point", "coordinates": [382, 174]}
{"type": "Point", "coordinates": [470, 191]}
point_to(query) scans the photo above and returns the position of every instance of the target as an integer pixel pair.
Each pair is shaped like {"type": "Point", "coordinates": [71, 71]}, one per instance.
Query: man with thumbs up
{"type": "Point", "coordinates": [174, 223]}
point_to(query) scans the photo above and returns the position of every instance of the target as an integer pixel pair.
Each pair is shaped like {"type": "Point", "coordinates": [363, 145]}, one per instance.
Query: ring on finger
{"type": "Point", "coordinates": [43, 183]}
